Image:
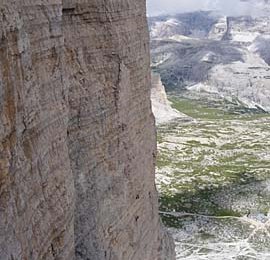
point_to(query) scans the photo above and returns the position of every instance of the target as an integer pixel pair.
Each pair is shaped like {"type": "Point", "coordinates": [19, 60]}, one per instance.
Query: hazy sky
{"type": "Point", "coordinates": [227, 7]}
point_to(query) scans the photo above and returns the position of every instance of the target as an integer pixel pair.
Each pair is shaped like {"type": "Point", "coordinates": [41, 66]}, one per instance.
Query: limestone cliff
{"type": "Point", "coordinates": [77, 138]}
{"type": "Point", "coordinates": [161, 106]}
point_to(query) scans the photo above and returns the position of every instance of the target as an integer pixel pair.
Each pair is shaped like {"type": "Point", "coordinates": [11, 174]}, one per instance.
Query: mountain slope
{"type": "Point", "coordinates": [229, 56]}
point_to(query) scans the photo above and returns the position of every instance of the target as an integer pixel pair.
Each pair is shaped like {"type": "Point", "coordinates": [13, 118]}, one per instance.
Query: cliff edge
{"type": "Point", "coordinates": [161, 106]}
{"type": "Point", "coordinates": [77, 135]}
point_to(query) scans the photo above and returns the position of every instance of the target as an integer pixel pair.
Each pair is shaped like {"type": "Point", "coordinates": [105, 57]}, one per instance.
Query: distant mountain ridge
{"type": "Point", "coordinates": [204, 51]}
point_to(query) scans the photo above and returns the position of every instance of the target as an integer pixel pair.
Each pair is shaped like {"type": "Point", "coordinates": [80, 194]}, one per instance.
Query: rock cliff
{"type": "Point", "coordinates": [77, 137]}
{"type": "Point", "coordinates": [161, 106]}
{"type": "Point", "coordinates": [230, 57]}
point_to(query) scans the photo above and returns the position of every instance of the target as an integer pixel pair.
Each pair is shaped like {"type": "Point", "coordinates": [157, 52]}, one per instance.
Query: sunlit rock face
{"type": "Point", "coordinates": [111, 132]}
{"type": "Point", "coordinates": [77, 137]}
{"type": "Point", "coordinates": [161, 106]}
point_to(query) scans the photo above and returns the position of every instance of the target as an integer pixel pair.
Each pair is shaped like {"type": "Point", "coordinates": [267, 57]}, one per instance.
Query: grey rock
{"type": "Point", "coordinates": [161, 106]}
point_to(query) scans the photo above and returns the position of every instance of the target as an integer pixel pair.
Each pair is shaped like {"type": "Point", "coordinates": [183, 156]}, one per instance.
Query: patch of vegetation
{"type": "Point", "coordinates": [210, 166]}
{"type": "Point", "coordinates": [215, 110]}
{"type": "Point", "coordinates": [171, 221]}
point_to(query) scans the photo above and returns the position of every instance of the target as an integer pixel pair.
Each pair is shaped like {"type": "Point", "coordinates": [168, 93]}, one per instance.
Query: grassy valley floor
{"type": "Point", "coordinates": [213, 175]}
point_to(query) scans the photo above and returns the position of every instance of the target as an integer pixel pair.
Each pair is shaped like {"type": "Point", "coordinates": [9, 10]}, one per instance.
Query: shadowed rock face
{"type": "Point", "coordinates": [77, 138]}
{"type": "Point", "coordinates": [188, 62]}
{"type": "Point", "coordinates": [261, 47]}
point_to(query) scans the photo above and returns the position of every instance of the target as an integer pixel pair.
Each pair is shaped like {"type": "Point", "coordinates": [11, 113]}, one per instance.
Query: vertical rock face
{"type": "Point", "coordinates": [77, 139]}
{"type": "Point", "coordinates": [161, 106]}
{"type": "Point", "coordinates": [36, 182]}
{"type": "Point", "coordinates": [111, 130]}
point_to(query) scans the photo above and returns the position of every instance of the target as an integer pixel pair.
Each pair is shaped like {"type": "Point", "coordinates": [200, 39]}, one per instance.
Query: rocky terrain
{"type": "Point", "coordinates": [213, 177]}
{"type": "Point", "coordinates": [213, 171]}
{"type": "Point", "coordinates": [77, 136]}
{"type": "Point", "coordinates": [205, 51]}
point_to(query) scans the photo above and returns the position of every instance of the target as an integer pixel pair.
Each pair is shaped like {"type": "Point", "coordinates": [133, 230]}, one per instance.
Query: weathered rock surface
{"type": "Point", "coordinates": [77, 142]}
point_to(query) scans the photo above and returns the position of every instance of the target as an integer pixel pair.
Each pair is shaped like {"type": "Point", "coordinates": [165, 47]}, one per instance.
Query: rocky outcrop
{"type": "Point", "coordinates": [77, 142]}
{"type": "Point", "coordinates": [161, 106]}
{"type": "Point", "coordinates": [219, 30]}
